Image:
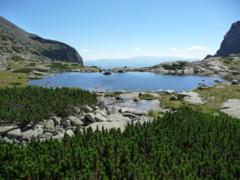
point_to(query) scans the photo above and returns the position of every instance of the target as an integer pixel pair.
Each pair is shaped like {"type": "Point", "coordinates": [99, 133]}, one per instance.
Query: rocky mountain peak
{"type": "Point", "coordinates": [231, 41]}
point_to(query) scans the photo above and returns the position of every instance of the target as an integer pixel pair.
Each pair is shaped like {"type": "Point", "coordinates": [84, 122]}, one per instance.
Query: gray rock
{"type": "Point", "coordinates": [130, 115]}
{"type": "Point", "coordinates": [107, 125]}
{"type": "Point", "coordinates": [4, 129]}
{"type": "Point", "coordinates": [132, 110]}
{"type": "Point", "coordinates": [235, 82]}
{"type": "Point", "coordinates": [143, 119]}
{"type": "Point", "coordinates": [100, 118]}
{"type": "Point", "coordinates": [231, 107]}
{"type": "Point", "coordinates": [102, 112]}
{"type": "Point", "coordinates": [191, 97]}
{"type": "Point", "coordinates": [66, 123]}
{"type": "Point", "coordinates": [173, 98]}
{"type": "Point", "coordinates": [46, 136]}
{"type": "Point", "coordinates": [57, 120]}
{"type": "Point", "coordinates": [87, 109]}
{"type": "Point", "coordinates": [8, 140]}
{"type": "Point", "coordinates": [70, 132]}
{"type": "Point", "coordinates": [117, 117]}
{"type": "Point", "coordinates": [75, 121]}
{"type": "Point", "coordinates": [89, 118]}
{"type": "Point", "coordinates": [14, 133]}
{"type": "Point", "coordinates": [49, 124]}
{"type": "Point", "coordinates": [32, 133]}
{"type": "Point", "coordinates": [59, 137]}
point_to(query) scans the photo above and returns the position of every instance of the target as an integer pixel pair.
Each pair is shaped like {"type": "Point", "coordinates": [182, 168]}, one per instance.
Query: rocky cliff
{"type": "Point", "coordinates": [231, 41]}
{"type": "Point", "coordinates": [15, 41]}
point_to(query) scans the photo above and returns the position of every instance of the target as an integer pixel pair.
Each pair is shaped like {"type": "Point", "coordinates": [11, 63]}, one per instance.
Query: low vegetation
{"type": "Point", "coordinates": [186, 144]}
{"type": "Point", "coordinates": [33, 104]}
{"type": "Point", "coordinates": [12, 79]}
{"type": "Point", "coordinates": [175, 66]}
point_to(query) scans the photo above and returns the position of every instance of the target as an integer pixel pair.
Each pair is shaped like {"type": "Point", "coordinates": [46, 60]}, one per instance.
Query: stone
{"type": "Point", "coordinates": [46, 136]}
{"type": "Point", "coordinates": [14, 133]}
{"type": "Point", "coordinates": [70, 132]}
{"type": "Point", "coordinates": [144, 119]}
{"type": "Point", "coordinates": [130, 115]}
{"type": "Point", "coordinates": [173, 98]}
{"type": "Point", "coordinates": [75, 121]}
{"type": "Point", "coordinates": [107, 125]}
{"type": "Point", "coordinates": [49, 124]}
{"type": "Point", "coordinates": [58, 137]}
{"type": "Point", "coordinates": [100, 118]}
{"type": "Point", "coordinates": [66, 123]}
{"type": "Point", "coordinates": [102, 112]}
{"type": "Point", "coordinates": [235, 82]}
{"type": "Point", "coordinates": [89, 118]}
{"type": "Point", "coordinates": [32, 133]}
{"type": "Point", "coordinates": [87, 109]}
{"type": "Point", "coordinates": [4, 129]}
{"type": "Point", "coordinates": [57, 120]}
{"type": "Point", "coordinates": [8, 140]}
{"type": "Point", "coordinates": [132, 110]}
{"type": "Point", "coordinates": [117, 117]}
{"type": "Point", "coordinates": [190, 97]}
{"type": "Point", "coordinates": [231, 107]}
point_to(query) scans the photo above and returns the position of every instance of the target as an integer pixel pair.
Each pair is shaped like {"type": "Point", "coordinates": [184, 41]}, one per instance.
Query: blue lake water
{"type": "Point", "coordinates": [131, 81]}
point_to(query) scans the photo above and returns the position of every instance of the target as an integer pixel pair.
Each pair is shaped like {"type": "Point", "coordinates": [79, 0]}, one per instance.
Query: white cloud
{"type": "Point", "coordinates": [85, 50]}
{"type": "Point", "coordinates": [197, 48]}
{"type": "Point", "coordinates": [137, 49]}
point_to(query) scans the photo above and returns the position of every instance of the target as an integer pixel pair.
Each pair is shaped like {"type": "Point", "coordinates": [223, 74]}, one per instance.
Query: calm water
{"type": "Point", "coordinates": [131, 81]}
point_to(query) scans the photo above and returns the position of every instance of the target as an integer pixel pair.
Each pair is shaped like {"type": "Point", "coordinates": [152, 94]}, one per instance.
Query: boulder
{"type": "Point", "coordinates": [143, 119]}
{"type": "Point", "coordinates": [107, 125]}
{"type": "Point", "coordinates": [32, 133]}
{"type": "Point", "coordinates": [100, 118]}
{"type": "Point", "coordinates": [66, 123]}
{"type": "Point", "coordinates": [4, 129]}
{"type": "Point", "coordinates": [132, 110]}
{"type": "Point", "coordinates": [70, 132]}
{"type": "Point", "coordinates": [89, 118]}
{"type": "Point", "coordinates": [46, 136]}
{"type": "Point", "coordinates": [8, 140]}
{"type": "Point", "coordinates": [57, 120]}
{"type": "Point", "coordinates": [75, 121]}
{"type": "Point", "coordinates": [59, 137]}
{"type": "Point", "coordinates": [14, 133]}
{"type": "Point", "coordinates": [173, 98]}
{"type": "Point", "coordinates": [190, 97]}
{"type": "Point", "coordinates": [101, 112]}
{"type": "Point", "coordinates": [87, 109]}
{"type": "Point", "coordinates": [49, 124]}
{"type": "Point", "coordinates": [117, 117]}
{"type": "Point", "coordinates": [231, 107]}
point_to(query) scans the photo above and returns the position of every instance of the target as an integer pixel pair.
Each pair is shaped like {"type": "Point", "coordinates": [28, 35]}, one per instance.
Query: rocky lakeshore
{"type": "Point", "coordinates": [113, 110]}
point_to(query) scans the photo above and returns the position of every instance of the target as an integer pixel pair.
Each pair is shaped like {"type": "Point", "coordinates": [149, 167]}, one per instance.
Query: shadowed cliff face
{"type": "Point", "coordinates": [231, 41]}
{"type": "Point", "coordinates": [15, 41]}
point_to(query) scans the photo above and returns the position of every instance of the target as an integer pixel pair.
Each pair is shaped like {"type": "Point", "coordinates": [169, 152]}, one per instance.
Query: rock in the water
{"type": "Point", "coordinates": [191, 97]}
{"type": "Point", "coordinates": [75, 121]}
{"type": "Point", "coordinates": [70, 132]}
{"type": "Point", "coordinates": [231, 107]}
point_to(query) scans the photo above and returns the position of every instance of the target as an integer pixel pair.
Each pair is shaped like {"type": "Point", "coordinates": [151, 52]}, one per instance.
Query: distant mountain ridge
{"type": "Point", "coordinates": [15, 41]}
{"type": "Point", "coordinates": [231, 41]}
{"type": "Point", "coordinates": [133, 62]}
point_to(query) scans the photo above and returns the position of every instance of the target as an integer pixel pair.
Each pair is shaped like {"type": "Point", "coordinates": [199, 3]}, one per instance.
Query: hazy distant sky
{"type": "Point", "coordinates": [125, 28]}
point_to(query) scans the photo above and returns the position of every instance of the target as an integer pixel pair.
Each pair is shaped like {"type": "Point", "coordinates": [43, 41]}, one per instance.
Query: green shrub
{"type": "Point", "coordinates": [182, 145]}
{"type": "Point", "coordinates": [33, 104]}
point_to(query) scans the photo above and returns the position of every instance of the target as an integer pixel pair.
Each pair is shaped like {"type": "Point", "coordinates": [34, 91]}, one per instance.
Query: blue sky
{"type": "Point", "coordinates": [126, 28]}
